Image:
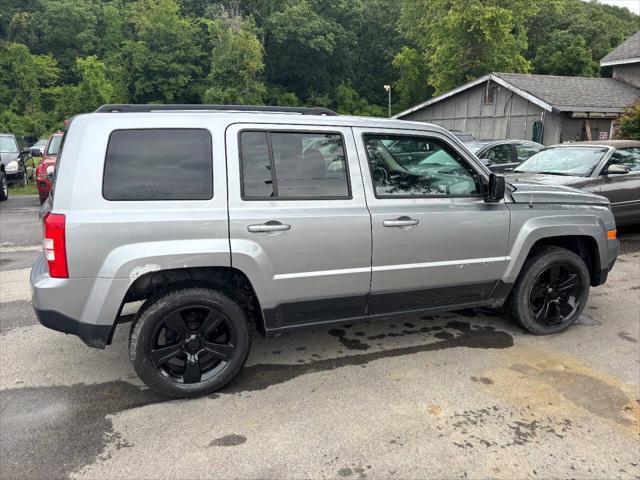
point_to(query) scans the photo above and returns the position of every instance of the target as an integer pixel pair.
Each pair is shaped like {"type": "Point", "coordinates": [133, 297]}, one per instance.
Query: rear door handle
{"type": "Point", "coordinates": [271, 226]}
{"type": "Point", "coordinates": [401, 222]}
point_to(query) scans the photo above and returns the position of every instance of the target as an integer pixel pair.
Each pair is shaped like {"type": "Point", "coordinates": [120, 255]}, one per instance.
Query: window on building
{"type": "Point", "coordinates": [293, 165]}
{"type": "Point", "coordinates": [489, 95]}
{"type": "Point", "coordinates": [158, 164]}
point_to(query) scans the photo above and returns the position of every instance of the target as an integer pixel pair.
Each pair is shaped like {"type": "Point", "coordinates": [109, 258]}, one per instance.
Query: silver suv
{"type": "Point", "coordinates": [226, 219]}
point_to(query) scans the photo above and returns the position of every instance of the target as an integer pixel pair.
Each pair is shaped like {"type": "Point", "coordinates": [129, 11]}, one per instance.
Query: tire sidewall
{"type": "Point", "coordinates": [155, 310]}
{"type": "Point", "coordinates": [531, 271]}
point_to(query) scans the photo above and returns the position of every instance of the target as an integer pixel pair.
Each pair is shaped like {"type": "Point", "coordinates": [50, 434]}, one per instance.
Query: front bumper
{"type": "Point", "coordinates": [86, 307]}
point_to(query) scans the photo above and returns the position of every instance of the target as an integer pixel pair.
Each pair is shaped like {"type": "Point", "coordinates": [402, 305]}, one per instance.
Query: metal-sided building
{"type": "Point", "coordinates": [546, 108]}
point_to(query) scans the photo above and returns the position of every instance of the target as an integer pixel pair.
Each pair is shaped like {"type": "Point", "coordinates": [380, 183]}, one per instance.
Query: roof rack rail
{"type": "Point", "coordinates": [124, 108]}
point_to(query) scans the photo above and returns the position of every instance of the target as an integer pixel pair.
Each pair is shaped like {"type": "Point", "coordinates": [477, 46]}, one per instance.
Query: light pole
{"type": "Point", "coordinates": [388, 89]}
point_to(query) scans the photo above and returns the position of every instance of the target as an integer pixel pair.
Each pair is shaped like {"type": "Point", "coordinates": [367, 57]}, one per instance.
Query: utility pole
{"type": "Point", "coordinates": [388, 89]}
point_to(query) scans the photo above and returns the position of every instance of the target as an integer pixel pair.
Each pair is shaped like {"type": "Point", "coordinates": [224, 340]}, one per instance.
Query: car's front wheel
{"type": "Point", "coordinates": [551, 291]}
{"type": "Point", "coordinates": [189, 342]}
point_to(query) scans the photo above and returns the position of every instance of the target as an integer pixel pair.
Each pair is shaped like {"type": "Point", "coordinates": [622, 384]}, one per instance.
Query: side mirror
{"type": "Point", "coordinates": [36, 152]}
{"type": "Point", "coordinates": [495, 189]}
{"type": "Point", "coordinates": [617, 169]}
{"type": "Point", "coordinates": [486, 162]}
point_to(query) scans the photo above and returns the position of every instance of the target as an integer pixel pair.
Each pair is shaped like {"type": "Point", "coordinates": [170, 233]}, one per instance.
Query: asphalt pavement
{"type": "Point", "coordinates": [455, 395]}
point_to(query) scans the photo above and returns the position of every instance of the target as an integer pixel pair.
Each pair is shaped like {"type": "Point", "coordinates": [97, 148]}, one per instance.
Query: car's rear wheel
{"type": "Point", "coordinates": [551, 291]}
{"type": "Point", "coordinates": [189, 342]}
{"type": "Point", "coordinates": [4, 187]}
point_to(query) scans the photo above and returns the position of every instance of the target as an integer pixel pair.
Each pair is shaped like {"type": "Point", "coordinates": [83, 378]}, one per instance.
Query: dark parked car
{"type": "Point", "coordinates": [39, 145]}
{"type": "Point", "coordinates": [610, 168]}
{"type": "Point", "coordinates": [503, 155]}
{"type": "Point", "coordinates": [14, 155]}
{"type": "Point", "coordinates": [47, 167]}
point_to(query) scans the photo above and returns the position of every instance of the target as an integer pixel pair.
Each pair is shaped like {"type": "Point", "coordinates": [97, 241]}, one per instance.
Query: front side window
{"type": "Point", "coordinates": [8, 145]}
{"type": "Point", "coordinates": [572, 161]}
{"type": "Point", "coordinates": [158, 164]}
{"type": "Point", "coordinates": [54, 145]}
{"type": "Point", "coordinates": [499, 154]}
{"type": "Point", "coordinates": [404, 166]}
{"type": "Point", "coordinates": [629, 157]}
{"type": "Point", "coordinates": [526, 151]}
{"type": "Point", "coordinates": [290, 165]}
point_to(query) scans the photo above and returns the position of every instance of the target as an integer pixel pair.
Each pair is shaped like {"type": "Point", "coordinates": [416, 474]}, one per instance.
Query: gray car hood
{"type": "Point", "coordinates": [539, 188]}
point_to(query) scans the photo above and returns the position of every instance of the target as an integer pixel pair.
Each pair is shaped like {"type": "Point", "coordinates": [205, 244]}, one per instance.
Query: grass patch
{"type": "Point", "coordinates": [29, 189]}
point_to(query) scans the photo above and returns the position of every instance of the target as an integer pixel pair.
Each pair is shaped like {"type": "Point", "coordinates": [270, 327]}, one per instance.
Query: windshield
{"type": "Point", "coordinates": [8, 145]}
{"type": "Point", "coordinates": [54, 145]}
{"type": "Point", "coordinates": [577, 161]}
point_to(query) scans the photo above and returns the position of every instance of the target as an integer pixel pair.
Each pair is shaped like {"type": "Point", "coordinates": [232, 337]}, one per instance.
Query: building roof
{"type": "Point", "coordinates": [627, 52]}
{"type": "Point", "coordinates": [555, 93]}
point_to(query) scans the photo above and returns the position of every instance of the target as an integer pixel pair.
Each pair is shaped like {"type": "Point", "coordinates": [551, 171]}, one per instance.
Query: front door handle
{"type": "Point", "coordinates": [401, 222]}
{"type": "Point", "coordinates": [271, 226]}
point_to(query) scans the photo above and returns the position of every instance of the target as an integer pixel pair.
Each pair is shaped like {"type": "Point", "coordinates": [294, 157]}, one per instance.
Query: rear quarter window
{"type": "Point", "coordinates": [158, 164]}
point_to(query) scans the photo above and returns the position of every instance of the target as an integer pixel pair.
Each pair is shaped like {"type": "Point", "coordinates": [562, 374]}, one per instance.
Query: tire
{"type": "Point", "coordinates": [191, 356]}
{"type": "Point", "coordinates": [4, 187]}
{"type": "Point", "coordinates": [550, 292]}
{"type": "Point", "coordinates": [23, 180]}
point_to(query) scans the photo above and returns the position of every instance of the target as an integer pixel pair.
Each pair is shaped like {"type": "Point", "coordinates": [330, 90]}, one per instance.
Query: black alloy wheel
{"type": "Point", "coordinates": [189, 341]}
{"type": "Point", "coordinates": [556, 294]}
{"type": "Point", "coordinates": [192, 344]}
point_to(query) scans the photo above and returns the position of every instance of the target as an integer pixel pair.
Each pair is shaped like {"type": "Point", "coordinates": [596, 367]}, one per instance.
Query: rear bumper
{"type": "Point", "coordinates": [85, 307]}
{"type": "Point", "coordinates": [97, 336]}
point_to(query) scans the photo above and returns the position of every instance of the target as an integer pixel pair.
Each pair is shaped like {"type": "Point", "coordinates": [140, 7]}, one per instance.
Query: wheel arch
{"type": "Point", "coordinates": [583, 236]}
{"type": "Point", "coordinates": [231, 281]}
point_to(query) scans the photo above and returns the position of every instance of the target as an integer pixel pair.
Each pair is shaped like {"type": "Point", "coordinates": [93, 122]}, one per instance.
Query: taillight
{"type": "Point", "coordinates": [54, 245]}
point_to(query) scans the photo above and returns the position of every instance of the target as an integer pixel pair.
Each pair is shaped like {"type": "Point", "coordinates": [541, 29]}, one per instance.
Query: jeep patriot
{"type": "Point", "coordinates": [224, 220]}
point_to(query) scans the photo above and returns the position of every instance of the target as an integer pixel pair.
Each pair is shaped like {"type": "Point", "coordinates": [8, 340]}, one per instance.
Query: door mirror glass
{"type": "Point", "coordinates": [617, 169]}
{"type": "Point", "coordinates": [495, 189]}
{"type": "Point", "coordinates": [36, 152]}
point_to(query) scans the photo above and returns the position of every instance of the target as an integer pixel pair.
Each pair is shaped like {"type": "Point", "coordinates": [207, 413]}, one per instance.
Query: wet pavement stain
{"type": "Point", "coordinates": [50, 432]}
{"type": "Point", "coordinates": [592, 394]}
{"type": "Point", "coordinates": [261, 376]}
{"type": "Point", "coordinates": [228, 441]}
{"type": "Point", "coordinates": [495, 427]}
{"type": "Point", "coordinates": [350, 343]}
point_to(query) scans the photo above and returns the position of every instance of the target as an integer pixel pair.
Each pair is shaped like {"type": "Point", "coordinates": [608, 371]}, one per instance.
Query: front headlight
{"type": "Point", "coordinates": [51, 169]}
{"type": "Point", "coordinates": [12, 166]}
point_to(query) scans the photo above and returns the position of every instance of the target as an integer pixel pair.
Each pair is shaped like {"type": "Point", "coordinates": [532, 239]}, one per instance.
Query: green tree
{"type": "Point", "coordinates": [629, 128]}
{"type": "Point", "coordinates": [68, 31]}
{"type": "Point", "coordinates": [565, 54]}
{"type": "Point", "coordinates": [161, 58]}
{"type": "Point", "coordinates": [306, 51]}
{"type": "Point", "coordinates": [465, 39]}
{"type": "Point", "coordinates": [236, 61]}
{"type": "Point", "coordinates": [413, 70]}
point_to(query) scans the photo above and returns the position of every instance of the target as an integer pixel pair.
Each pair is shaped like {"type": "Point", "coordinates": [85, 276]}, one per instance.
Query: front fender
{"type": "Point", "coordinates": [541, 227]}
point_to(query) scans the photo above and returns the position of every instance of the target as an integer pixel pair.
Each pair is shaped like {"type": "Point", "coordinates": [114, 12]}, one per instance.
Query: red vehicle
{"type": "Point", "coordinates": [47, 167]}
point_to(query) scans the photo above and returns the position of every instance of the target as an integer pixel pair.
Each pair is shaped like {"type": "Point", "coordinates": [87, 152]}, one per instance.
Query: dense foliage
{"type": "Point", "coordinates": [62, 57]}
{"type": "Point", "coordinates": [629, 128]}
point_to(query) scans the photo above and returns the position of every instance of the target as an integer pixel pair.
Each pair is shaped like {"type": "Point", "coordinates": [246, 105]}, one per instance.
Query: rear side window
{"type": "Point", "coordinates": [159, 164]}
{"type": "Point", "coordinates": [293, 165]}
